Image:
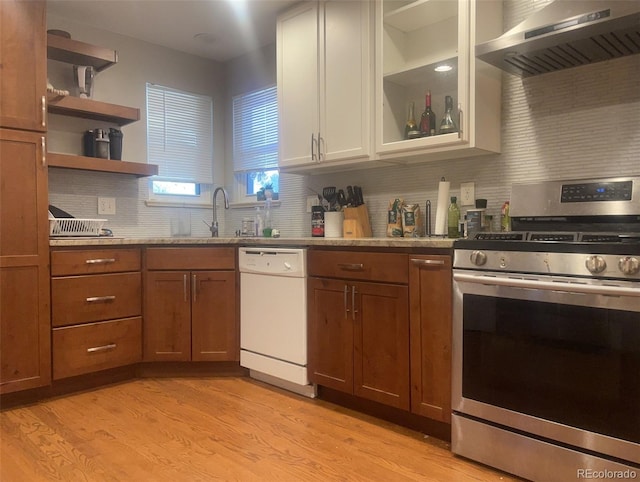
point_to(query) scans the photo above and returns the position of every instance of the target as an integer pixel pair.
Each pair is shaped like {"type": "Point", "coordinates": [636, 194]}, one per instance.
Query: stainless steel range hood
{"type": "Point", "coordinates": [564, 34]}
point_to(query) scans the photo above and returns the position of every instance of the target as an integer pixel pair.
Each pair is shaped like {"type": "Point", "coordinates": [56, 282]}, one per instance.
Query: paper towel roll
{"type": "Point", "coordinates": [441, 208]}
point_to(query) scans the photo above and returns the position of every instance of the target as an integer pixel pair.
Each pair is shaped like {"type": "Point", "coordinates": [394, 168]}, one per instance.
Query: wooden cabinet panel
{"type": "Point", "coordinates": [96, 346]}
{"type": "Point", "coordinates": [430, 314]}
{"type": "Point", "coordinates": [78, 262]}
{"type": "Point", "coordinates": [25, 326]}
{"type": "Point", "coordinates": [367, 266]}
{"type": "Point", "coordinates": [330, 336]}
{"type": "Point", "coordinates": [191, 258]}
{"type": "Point", "coordinates": [381, 343]}
{"type": "Point", "coordinates": [167, 316]}
{"type": "Point", "coordinates": [23, 66]}
{"type": "Point", "coordinates": [213, 337]}
{"type": "Point", "coordinates": [81, 299]}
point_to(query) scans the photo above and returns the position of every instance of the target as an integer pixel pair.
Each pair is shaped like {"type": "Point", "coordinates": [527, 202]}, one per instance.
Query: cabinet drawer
{"type": "Point", "coordinates": [191, 258]}
{"type": "Point", "coordinates": [386, 267]}
{"type": "Point", "coordinates": [70, 262]}
{"type": "Point", "coordinates": [96, 346]}
{"type": "Point", "coordinates": [81, 299]}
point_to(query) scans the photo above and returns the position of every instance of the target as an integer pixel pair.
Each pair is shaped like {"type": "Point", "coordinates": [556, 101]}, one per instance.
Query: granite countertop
{"type": "Point", "coordinates": [239, 241]}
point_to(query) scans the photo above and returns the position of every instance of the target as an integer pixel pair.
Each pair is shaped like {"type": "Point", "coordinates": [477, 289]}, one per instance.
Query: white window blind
{"type": "Point", "coordinates": [255, 131]}
{"type": "Point", "coordinates": [180, 134]}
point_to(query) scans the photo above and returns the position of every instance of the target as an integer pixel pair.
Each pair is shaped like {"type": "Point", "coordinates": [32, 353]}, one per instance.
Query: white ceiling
{"type": "Point", "coordinates": [228, 28]}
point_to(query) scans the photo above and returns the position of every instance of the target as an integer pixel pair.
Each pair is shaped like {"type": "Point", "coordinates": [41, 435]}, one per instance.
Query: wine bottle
{"type": "Point", "coordinates": [411, 128]}
{"type": "Point", "coordinates": [453, 219]}
{"type": "Point", "coordinates": [428, 119]}
{"type": "Point", "coordinates": [448, 125]}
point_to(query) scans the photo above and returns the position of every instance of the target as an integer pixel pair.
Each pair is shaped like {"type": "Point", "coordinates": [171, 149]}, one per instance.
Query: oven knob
{"type": "Point", "coordinates": [629, 265]}
{"type": "Point", "coordinates": [478, 258]}
{"type": "Point", "coordinates": [595, 264]}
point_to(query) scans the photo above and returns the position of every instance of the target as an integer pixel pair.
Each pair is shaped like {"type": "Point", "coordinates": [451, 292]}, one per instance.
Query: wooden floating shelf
{"type": "Point", "coordinates": [91, 109]}
{"type": "Point", "coordinates": [79, 53]}
{"type": "Point", "coordinates": [70, 161]}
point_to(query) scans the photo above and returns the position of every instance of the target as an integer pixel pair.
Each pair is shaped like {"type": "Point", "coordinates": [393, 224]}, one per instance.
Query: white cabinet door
{"type": "Point", "coordinates": [415, 38]}
{"type": "Point", "coordinates": [346, 81]}
{"type": "Point", "coordinates": [325, 84]}
{"type": "Point", "coordinates": [298, 89]}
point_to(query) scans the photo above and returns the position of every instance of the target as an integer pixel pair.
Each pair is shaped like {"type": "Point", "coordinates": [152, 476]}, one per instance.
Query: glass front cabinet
{"type": "Point", "coordinates": [428, 46]}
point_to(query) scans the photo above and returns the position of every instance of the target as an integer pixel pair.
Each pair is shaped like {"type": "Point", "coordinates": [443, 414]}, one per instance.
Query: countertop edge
{"type": "Point", "coordinates": [238, 241]}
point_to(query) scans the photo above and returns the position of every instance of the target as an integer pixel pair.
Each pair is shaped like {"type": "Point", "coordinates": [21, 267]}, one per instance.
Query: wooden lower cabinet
{"type": "Point", "coordinates": [190, 315]}
{"type": "Point", "coordinates": [430, 313]}
{"type": "Point", "coordinates": [96, 307]}
{"type": "Point", "coordinates": [25, 326]}
{"type": "Point", "coordinates": [359, 339]}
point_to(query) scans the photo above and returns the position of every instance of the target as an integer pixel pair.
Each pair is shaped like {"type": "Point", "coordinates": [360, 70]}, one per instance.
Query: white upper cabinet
{"type": "Point", "coordinates": [414, 39]}
{"type": "Point", "coordinates": [325, 84]}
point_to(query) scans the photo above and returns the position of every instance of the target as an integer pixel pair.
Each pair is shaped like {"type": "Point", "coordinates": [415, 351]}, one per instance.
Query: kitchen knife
{"type": "Point", "coordinates": [350, 197]}
{"type": "Point", "coordinates": [358, 199]}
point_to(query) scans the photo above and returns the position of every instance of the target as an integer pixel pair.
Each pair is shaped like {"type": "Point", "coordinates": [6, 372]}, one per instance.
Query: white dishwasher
{"type": "Point", "coordinates": [273, 317]}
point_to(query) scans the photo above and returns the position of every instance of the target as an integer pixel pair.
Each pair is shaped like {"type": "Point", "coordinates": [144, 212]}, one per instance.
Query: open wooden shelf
{"type": "Point", "coordinates": [70, 161]}
{"type": "Point", "coordinates": [91, 109]}
{"type": "Point", "coordinates": [79, 53]}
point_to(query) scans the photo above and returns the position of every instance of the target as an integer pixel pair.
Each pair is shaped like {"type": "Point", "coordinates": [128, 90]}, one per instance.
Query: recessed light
{"type": "Point", "coordinates": [443, 68]}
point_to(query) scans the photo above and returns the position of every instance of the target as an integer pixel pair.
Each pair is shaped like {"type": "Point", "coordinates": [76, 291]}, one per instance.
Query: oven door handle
{"type": "Point", "coordinates": [548, 285]}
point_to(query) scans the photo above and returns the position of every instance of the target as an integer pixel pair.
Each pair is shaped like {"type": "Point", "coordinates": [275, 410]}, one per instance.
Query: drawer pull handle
{"type": "Point", "coordinates": [43, 110]}
{"type": "Point", "coordinates": [100, 261]}
{"type": "Point", "coordinates": [346, 306]}
{"type": "Point", "coordinates": [97, 349]}
{"type": "Point", "coordinates": [428, 262]}
{"type": "Point", "coordinates": [351, 266]}
{"type": "Point", "coordinates": [97, 299]}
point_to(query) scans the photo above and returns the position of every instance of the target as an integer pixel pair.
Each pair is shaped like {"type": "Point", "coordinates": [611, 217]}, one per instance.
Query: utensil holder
{"type": "Point", "coordinates": [356, 222]}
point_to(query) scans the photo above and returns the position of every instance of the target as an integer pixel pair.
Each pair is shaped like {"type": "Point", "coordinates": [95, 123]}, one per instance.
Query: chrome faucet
{"type": "Point", "coordinates": [214, 224]}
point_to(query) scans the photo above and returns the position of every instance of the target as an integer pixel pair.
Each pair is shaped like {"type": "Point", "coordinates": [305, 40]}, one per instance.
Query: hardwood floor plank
{"type": "Point", "coordinates": [185, 429]}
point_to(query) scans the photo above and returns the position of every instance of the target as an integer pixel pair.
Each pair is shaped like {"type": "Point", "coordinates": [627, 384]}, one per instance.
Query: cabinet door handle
{"type": "Point", "coordinates": [351, 266]}
{"type": "Point", "coordinates": [353, 303]}
{"type": "Point", "coordinates": [43, 107]}
{"type": "Point", "coordinates": [313, 152]}
{"type": "Point", "coordinates": [460, 119]}
{"type": "Point", "coordinates": [43, 142]}
{"type": "Point", "coordinates": [100, 261]}
{"type": "Point", "coordinates": [193, 288]}
{"type": "Point", "coordinates": [320, 140]}
{"type": "Point", "coordinates": [184, 288]}
{"type": "Point", "coordinates": [428, 262]}
{"type": "Point", "coordinates": [100, 299]}
{"type": "Point", "coordinates": [346, 306]}
{"type": "Point", "coordinates": [96, 349]}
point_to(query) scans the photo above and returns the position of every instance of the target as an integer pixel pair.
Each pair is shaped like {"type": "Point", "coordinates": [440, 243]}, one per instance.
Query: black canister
{"type": "Point", "coordinates": [115, 144]}
{"type": "Point", "coordinates": [89, 144]}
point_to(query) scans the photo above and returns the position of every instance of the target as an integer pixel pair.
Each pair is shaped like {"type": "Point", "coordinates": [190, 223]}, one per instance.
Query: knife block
{"type": "Point", "coordinates": [356, 222]}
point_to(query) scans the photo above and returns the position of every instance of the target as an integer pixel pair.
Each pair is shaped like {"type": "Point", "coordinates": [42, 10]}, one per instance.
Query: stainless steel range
{"type": "Point", "coordinates": [546, 341]}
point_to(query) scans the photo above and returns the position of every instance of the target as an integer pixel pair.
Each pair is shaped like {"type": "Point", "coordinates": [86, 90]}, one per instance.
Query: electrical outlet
{"type": "Point", "coordinates": [467, 194]}
{"type": "Point", "coordinates": [106, 205]}
{"type": "Point", "coordinates": [311, 201]}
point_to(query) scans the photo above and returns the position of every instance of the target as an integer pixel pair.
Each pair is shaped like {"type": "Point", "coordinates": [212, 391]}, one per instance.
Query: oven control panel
{"type": "Point", "coordinates": [596, 191]}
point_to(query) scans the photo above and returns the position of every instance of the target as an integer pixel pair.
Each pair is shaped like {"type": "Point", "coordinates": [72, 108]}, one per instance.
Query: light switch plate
{"type": "Point", "coordinates": [467, 194]}
{"type": "Point", "coordinates": [106, 205]}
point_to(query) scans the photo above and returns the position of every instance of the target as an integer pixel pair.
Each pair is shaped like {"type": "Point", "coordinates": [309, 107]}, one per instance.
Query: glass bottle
{"type": "Point", "coordinates": [453, 219]}
{"type": "Point", "coordinates": [410, 127]}
{"type": "Point", "coordinates": [448, 125]}
{"type": "Point", "coordinates": [428, 119]}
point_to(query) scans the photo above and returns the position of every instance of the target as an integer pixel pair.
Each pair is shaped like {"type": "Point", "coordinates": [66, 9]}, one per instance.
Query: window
{"type": "Point", "coordinates": [255, 142]}
{"type": "Point", "coordinates": [180, 142]}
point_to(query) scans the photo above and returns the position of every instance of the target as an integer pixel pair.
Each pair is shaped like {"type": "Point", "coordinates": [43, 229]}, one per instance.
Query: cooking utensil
{"type": "Point", "coordinates": [330, 194]}
{"type": "Point", "coordinates": [341, 199]}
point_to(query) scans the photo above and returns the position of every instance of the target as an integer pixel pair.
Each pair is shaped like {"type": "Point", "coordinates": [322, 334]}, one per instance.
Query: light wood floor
{"type": "Point", "coordinates": [215, 429]}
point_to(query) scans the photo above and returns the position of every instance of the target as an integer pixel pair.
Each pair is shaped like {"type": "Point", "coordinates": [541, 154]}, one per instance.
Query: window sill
{"type": "Point", "coordinates": [177, 204]}
{"type": "Point", "coordinates": [251, 204]}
